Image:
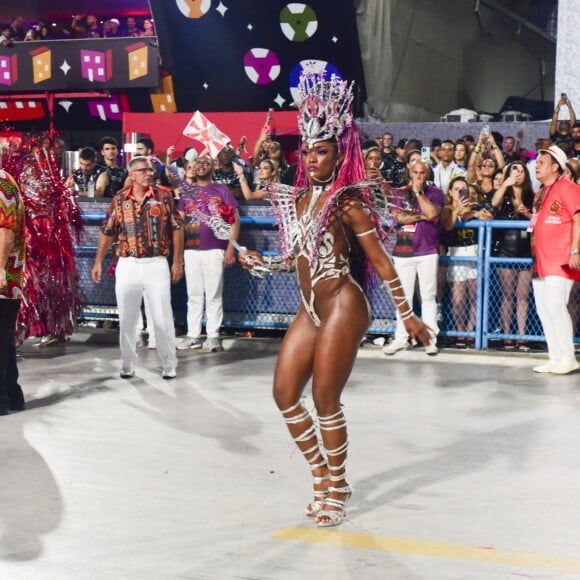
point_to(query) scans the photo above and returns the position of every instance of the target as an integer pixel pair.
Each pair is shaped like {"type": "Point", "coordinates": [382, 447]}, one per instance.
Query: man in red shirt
{"type": "Point", "coordinates": [556, 251]}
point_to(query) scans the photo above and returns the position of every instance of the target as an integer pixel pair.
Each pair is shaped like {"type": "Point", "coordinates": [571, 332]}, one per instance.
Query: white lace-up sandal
{"type": "Point", "coordinates": [312, 454]}
{"type": "Point", "coordinates": [335, 516]}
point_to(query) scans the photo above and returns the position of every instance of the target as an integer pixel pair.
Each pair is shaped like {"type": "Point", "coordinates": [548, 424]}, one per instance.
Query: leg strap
{"type": "Point", "coordinates": [328, 426]}
{"type": "Point", "coordinates": [303, 431]}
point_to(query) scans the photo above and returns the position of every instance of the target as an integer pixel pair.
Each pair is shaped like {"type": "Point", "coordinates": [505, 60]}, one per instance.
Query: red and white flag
{"type": "Point", "coordinates": [202, 129]}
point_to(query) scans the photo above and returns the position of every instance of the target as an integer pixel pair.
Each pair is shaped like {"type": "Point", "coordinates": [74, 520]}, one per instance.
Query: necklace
{"type": "Point", "coordinates": [325, 181]}
{"type": "Point", "coordinates": [316, 193]}
{"type": "Point", "coordinates": [543, 193]}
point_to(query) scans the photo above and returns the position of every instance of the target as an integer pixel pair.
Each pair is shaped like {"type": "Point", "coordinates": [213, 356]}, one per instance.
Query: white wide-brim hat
{"type": "Point", "coordinates": [557, 155]}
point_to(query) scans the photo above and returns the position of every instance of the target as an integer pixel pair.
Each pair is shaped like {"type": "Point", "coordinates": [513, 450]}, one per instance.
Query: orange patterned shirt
{"type": "Point", "coordinates": [143, 230]}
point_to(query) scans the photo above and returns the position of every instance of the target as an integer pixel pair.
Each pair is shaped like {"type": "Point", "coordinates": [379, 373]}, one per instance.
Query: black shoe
{"type": "Point", "coordinates": [16, 400]}
{"type": "Point", "coordinates": [4, 410]}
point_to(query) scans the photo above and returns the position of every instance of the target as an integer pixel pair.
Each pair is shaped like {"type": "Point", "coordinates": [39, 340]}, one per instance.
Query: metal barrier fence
{"type": "Point", "coordinates": [495, 304]}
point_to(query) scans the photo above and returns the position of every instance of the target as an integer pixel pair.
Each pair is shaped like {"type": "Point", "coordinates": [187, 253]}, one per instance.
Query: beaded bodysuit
{"type": "Point", "coordinates": [307, 237]}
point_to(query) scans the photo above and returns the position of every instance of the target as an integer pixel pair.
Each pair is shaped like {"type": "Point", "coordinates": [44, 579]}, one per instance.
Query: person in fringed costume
{"type": "Point", "coordinates": [329, 214]}
{"type": "Point", "coordinates": [52, 301]}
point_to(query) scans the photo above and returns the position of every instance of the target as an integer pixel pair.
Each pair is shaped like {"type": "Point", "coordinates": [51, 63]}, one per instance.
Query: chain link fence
{"type": "Point", "coordinates": [482, 298]}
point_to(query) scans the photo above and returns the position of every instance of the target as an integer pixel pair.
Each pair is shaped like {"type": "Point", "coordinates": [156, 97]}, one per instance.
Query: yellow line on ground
{"type": "Point", "coordinates": [485, 554]}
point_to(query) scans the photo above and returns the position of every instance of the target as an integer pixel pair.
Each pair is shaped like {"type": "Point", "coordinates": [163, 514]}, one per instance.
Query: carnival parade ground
{"type": "Point", "coordinates": [464, 466]}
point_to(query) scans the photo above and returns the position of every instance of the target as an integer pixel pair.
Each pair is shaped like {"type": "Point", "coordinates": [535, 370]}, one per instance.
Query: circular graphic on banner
{"type": "Point", "coordinates": [316, 66]}
{"type": "Point", "coordinates": [193, 8]}
{"type": "Point", "coordinates": [261, 65]}
{"type": "Point", "coordinates": [298, 22]}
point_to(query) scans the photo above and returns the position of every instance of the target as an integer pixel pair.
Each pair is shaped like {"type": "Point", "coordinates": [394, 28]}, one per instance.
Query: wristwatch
{"type": "Point", "coordinates": [574, 252]}
{"type": "Point", "coordinates": [418, 192]}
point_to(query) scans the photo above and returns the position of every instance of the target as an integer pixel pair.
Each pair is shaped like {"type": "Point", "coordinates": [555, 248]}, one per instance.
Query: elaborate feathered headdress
{"type": "Point", "coordinates": [325, 115]}
{"type": "Point", "coordinates": [325, 107]}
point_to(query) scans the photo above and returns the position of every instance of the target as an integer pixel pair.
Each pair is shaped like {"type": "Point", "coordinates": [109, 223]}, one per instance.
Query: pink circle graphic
{"type": "Point", "coordinates": [261, 65]}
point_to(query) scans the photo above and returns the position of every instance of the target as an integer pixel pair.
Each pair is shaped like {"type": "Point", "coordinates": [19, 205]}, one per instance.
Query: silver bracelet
{"type": "Point", "coordinates": [395, 284]}
{"type": "Point", "coordinates": [278, 264]}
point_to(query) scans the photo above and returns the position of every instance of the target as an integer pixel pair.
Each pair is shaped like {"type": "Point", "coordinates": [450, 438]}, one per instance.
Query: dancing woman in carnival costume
{"type": "Point", "coordinates": [322, 220]}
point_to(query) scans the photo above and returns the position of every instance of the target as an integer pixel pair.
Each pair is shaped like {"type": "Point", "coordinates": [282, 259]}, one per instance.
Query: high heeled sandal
{"type": "Point", "coordinates": [334, 517]}
{"type": "Point", "coordinates": [327, 518]}
{"type": "Point", "coordinates": [313, 454]}
{"type": "Point", "coordinates": [315, 506]}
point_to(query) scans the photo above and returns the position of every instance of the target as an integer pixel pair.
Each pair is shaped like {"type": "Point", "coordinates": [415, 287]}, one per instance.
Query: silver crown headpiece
{"type": "Point", "coordinates": [325, 107]}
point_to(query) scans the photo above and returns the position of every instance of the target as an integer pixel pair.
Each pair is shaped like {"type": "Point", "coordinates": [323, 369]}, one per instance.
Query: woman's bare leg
{"type": "Point", "coordinates": [507, 279]}
{"type": "Point", "coordinates": [336, 348]}
{"type": "Point", "coordinates": [523, 296]}
{"type": "Point", "coordinates": [472, 303]}
{"type": "Point", "coordinates": [293, 370]}
{"type": "Point", "coordinates": [458, 300]}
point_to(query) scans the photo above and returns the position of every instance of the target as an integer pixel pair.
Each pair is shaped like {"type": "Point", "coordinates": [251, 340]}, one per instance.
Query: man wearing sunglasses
{"type": "Point", "coordinates": [146, 225]}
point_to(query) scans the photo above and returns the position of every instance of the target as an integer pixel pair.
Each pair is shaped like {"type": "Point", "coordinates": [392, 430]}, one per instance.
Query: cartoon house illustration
{"type": "Point", "coordinates": [41, 64]}
{"type": "Point", "coordinates": [96, 65]}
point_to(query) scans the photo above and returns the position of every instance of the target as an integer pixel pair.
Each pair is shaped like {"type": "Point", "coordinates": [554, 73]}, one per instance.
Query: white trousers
{"type": "Point", "coordinates": [425, 269]}
{"type": "Point", "coordinates": [552, 294]}
{"type": "Point", "coordinates": [204, 276]}
{"type": "Point", "coordinates": [149, 277]}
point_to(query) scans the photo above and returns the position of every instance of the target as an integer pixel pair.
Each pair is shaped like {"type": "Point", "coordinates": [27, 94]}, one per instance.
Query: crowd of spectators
{"type": "Point", "coordinates": [80, 26]}
{"type": "Point", "coordinates": [488, 176]}
{"type": "Point", "coordinates": [491, 177]}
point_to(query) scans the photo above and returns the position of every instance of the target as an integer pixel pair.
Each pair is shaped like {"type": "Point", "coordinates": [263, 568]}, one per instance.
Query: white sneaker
{"type": "Point", "coordinates": [152, 343]}
{"type": "Point", "coordinates": [213, 345]}
{"type": "Point", "coordinates": [431, 349]}
{"type": "Point", "coordinates": [189, 342]}
{"type": "Point", "coordinates": [395, 346]}
{"type": "Point", "coordinates": [565, 366]}
{"type": "Point", "coordinates": [169, 374]}
{"type": "Point", "coordinates": [545, 368]}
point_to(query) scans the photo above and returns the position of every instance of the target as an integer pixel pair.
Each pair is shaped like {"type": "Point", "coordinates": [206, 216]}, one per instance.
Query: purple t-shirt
{"type": "Point", "coordinates": [422, 238]}
{"type": "Point", "coordinates": [199, 236]}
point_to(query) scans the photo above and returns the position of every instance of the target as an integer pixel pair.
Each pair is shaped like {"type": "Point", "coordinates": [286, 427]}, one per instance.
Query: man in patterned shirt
{"type": "Point", "coordinates": [12, 254]}
{"type": "Point", "coordinates": [145, 223]}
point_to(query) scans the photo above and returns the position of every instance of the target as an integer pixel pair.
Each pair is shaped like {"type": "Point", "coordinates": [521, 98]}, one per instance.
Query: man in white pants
{"type": "Point", "coordinates": [205, 257]}
{"type": "Point", "coordinates": [556, 257]}
{"type": "Point", "coordinates": [145, 222]}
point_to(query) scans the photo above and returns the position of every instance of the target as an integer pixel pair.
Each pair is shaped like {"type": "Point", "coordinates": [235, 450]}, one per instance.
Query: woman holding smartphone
{"type": "Point", "coordinates": [484, 161]}
{"type": "Point", "coordinates": [462, 204]}
{"type": "Point", "coordinates": [513, 201]}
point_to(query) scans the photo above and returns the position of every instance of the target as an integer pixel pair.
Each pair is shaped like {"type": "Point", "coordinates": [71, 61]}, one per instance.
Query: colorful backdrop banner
{"type": "Point", "coordinates": [88, 64]}
{"type": "Point", "coordinates": [243, 55]}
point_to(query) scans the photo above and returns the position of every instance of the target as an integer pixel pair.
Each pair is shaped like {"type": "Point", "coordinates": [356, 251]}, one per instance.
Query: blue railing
{"type": "Point", "coordinates": [272, 302]}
